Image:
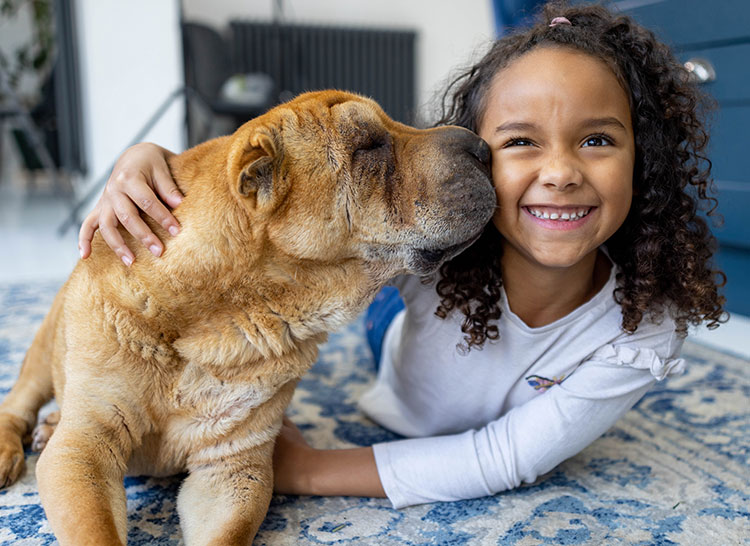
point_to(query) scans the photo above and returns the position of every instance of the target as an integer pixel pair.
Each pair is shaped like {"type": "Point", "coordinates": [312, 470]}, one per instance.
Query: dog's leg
{"type": "Point", "coordinates": [44, 430]}
{"type": "Point", "coordinates": [19, 409]}
{"type": "Point", "coordinates": [222, 503]}
{"type": "Point", "coordinates": [80, 475]}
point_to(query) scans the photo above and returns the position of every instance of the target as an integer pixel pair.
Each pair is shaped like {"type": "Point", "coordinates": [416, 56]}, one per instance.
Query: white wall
{"type": "Point", "coordinates": [451, 32]}
{"type": "Point", "coordinates": [131, 60]}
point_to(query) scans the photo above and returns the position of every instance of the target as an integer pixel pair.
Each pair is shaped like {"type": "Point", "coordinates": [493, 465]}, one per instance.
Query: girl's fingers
{"type": "Point", "coordinates": [165, 186]}
{"type": "Point", "coordinates": [146, 200]}
{"type": "Point", "coordinates": [86, 233]}
{"type": "Point", "coordinates": [108, 229]}
{"type": "Point", "coordinates": [128, 216]}
{"type": "Point", "coordinates": [140, 179]}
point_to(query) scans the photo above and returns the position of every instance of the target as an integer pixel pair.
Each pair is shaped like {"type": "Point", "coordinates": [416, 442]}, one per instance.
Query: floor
{"type": "Point", "coordinates": [35, 251]}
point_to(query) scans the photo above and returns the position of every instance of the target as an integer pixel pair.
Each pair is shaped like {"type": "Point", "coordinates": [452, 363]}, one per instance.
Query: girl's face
{"type": "Point", "coordinates": [559, 126]}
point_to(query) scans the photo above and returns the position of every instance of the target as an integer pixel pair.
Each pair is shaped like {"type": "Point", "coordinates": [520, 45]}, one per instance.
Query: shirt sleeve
{"type": "Point", "coordinates": [409, 288]}
{"type": "Point", "coordinates": [399, 281]}
{"type": "Point", "coordinates": [530, 439]}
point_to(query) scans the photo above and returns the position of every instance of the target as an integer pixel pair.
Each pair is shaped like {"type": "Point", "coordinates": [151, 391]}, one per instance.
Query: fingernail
{"type": "Point", "coordinates": [173, 230]}
{"type": "Point", "coordinates": [80, 251]}
{"type": "Point", "coordinates": [127, 260]}
{"type": "Point", "coordinates": [155, 250]}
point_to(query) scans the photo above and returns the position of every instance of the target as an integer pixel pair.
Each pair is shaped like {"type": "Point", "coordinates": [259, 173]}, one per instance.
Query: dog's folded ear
{"type": "Point", "coordinates": [257, 178]}
{"type": "Point", "coordinates": [255, 166]}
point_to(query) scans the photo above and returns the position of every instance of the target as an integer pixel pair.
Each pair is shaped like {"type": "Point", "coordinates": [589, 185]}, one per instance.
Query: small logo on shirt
{"type": "Point", "coordinates": [541, 384]}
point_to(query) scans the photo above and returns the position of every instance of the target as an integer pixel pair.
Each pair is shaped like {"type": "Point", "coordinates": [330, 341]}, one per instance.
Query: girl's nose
{"type": "Point", "coordinates": [560, 173]}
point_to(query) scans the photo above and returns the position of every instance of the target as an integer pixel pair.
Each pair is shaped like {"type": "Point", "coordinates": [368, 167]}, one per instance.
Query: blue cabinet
{"type": "Point", "coordinates": [718, 33]}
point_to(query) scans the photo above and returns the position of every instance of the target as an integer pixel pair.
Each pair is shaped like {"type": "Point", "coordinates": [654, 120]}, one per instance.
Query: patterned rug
{"type": "Point", "coordinates": [674, 470]}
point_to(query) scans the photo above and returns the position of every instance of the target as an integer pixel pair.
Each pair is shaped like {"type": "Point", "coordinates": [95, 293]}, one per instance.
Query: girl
{"type": "Point", "coordinates": [576, 299]}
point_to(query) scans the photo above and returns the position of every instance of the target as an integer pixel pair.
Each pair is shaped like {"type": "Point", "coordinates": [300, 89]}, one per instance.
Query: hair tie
{"type": "Point", "coordinates": [560, 21]}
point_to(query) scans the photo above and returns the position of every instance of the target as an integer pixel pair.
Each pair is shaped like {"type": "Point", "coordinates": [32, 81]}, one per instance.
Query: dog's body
{"type": "Point", "coordinates": [187, 362]}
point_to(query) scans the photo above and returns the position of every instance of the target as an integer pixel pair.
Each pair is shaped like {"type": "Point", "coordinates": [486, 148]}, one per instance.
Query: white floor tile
{"type": "Point", "coordinates": [734, 336]}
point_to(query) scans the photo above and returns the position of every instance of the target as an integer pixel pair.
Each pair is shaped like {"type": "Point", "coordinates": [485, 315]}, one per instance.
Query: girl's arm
{"type": "Point", "coordinates": [139, 180]}
{"type": "Point", "coordinates": [528, 441]}
{"type": "Point", "coordinates": [523, 444]}
{"type": "Point", "coordinates": [302, 470]}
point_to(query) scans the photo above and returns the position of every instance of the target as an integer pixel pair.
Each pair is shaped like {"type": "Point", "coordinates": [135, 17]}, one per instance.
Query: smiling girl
{"type": "Point", "coordinates": [573, 303]}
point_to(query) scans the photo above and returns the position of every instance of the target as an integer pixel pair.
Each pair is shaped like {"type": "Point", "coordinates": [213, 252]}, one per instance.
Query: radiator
{"type": "Point", "coordinates": [373, 62]}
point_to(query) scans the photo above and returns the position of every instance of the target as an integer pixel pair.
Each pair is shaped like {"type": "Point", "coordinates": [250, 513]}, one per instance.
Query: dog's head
{"type": "Point", "coordinates": [332, 178]}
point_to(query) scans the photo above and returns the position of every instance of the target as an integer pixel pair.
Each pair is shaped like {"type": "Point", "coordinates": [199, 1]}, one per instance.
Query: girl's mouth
{"type": "Point", "coordinates": [560, 214]}
{"type": "Point", "coordinates": [559, 217]}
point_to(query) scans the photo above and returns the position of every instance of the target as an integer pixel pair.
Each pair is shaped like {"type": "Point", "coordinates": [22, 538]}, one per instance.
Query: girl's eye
{"type": "Point", "coordinates": [598, 140]}
{"type": "Point", "coordinates": [518, 141]}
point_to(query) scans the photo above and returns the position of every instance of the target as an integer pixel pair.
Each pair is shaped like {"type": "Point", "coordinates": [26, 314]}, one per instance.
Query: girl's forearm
{"type": "Point", "coordinates": [345, 472]}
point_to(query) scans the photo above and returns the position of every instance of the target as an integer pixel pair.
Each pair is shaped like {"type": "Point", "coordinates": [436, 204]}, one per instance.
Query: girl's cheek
{"type": "Point", "coordinates": [508, 180]}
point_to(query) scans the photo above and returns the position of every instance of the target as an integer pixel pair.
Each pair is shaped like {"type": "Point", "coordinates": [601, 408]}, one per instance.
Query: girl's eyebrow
{"type": "Point", "coordinates": [608, 121]}
{"type": "Point", "coordinates": [603, 122]}
{"type": "Point", "coordinates": [515, 126]}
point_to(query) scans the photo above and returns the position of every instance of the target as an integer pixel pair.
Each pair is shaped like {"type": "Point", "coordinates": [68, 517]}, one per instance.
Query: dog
{"type": "Point", "coordinates": [186, 363]}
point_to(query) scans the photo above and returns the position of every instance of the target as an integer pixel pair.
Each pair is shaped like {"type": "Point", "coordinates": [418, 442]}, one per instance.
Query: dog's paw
{"type": "Point", "coordinates": [11, 458]}
{"type": "Point", "coordinates": [44, 430]}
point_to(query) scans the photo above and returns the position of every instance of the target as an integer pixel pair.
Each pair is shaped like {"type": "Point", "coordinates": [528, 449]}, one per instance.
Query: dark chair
{"type": "Point", "coordinates": [44, 117]}
{"type": "Point", "coordinates": [34, 132]}
{"type": "Point", "coordinates": [208, 66]}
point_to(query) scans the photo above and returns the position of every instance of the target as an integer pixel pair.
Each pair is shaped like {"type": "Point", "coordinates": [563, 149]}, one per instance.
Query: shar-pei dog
{"type": "Point", "coordinates": [186, 363]}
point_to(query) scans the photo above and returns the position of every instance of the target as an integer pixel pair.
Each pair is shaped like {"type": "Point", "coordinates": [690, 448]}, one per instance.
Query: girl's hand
{"type": "Point", "coordinates": [290, 456]}
{"type": "Point", "coordinates": [300, 469]}
{"type": "Point", "coordinates": [139, 179]}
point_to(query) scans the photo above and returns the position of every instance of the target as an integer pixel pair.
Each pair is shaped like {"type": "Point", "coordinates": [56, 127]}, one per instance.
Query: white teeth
{"type": "Point", "coordinates": [565, 216]}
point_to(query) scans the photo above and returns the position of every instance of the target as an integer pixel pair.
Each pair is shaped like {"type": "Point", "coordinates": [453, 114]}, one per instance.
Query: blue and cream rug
{"type": "Point", "coordinates": [674, 470]}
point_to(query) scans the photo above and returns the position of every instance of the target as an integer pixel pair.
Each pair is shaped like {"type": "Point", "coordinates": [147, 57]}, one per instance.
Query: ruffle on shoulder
{"type": "Point", "coordinates": [640, 358]}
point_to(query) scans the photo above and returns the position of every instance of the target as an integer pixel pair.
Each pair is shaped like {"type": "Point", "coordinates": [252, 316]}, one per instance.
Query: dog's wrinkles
{"type": "Point", "coordinates": [187, 362]}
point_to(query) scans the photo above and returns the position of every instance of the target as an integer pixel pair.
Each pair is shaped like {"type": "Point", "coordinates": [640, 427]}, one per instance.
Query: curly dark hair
{"type": "Point", "coordinates": [664, 249]}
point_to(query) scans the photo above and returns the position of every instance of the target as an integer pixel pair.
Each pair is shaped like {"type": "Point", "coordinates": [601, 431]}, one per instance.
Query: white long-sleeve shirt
{"type": "Point", "coordinates": [487, 421]}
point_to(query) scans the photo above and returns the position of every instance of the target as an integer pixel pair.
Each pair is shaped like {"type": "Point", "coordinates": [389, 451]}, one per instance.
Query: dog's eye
{"type": "Point", "coordinates": [372, 144]}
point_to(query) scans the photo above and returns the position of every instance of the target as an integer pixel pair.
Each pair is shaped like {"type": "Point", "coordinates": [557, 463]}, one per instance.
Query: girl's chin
{"type": "Point", "coordinates": [557, 258]}
{"type": "Point", "coordinates": [549, 252]}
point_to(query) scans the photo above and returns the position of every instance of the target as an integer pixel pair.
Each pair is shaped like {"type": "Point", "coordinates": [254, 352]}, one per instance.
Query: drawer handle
{"type": "Point", "coordinates": [700, 70]}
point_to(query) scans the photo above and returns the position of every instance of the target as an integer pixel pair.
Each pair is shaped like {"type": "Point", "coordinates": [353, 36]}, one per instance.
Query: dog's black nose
{"type": "Point", "coordinates": [481, 151]}
{"type": "Point", "coordinates": [468, 142]}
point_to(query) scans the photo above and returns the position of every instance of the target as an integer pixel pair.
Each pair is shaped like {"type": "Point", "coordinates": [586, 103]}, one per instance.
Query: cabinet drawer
{"type": "Point", "coordinates": [692, 22]}
{"type": "Point", "coordinates": [734, 202]}
{"type": "Point", "coordinates": [729, 146]}
{"type": "Point", "coordinates": [732, 66]}
{"type": "Point", "coordinates": [735, 263]}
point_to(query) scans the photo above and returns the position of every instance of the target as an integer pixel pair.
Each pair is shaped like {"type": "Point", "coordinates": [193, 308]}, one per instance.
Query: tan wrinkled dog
{"type": "Point", "coordinates": [187, 362]}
